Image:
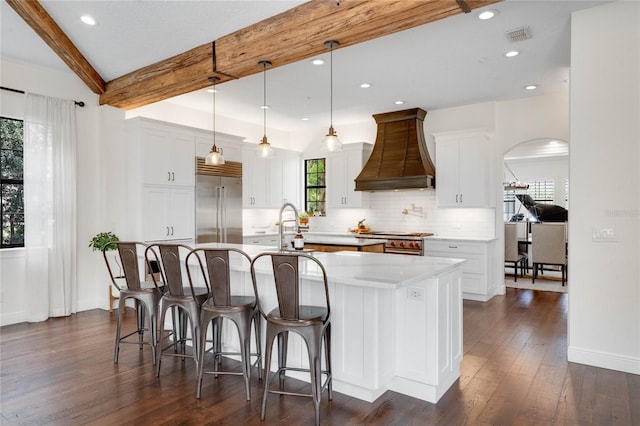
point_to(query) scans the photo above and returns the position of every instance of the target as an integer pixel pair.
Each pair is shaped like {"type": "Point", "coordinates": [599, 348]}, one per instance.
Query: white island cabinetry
{"type": "Point", "coordinates": [396, 321]}
{"type": "Point", "coordinates": [463, 163]}
{"type": "Point", "coordinates": [478, 279]}
{"type": "Point", "coordinates": [342, 168]}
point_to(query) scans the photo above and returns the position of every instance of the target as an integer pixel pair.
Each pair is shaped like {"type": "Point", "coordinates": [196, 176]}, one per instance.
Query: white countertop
{"type": "Point", "coordinates": [382, 270]}
{"type": "Point", "coordinates": [363, 269]}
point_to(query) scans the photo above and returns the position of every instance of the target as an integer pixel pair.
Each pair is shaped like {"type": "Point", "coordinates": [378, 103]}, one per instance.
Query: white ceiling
{"type": "Point", "coordinates": [456, 61]}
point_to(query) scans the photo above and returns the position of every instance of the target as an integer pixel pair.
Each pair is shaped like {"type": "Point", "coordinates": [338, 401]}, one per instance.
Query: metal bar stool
{"type": "Point", "coordinates": [146, 295]}
{"type": "Point", "coordinates": [221, 303]}
{"type": "Point", "coordinates": [184, 301]}
{"type": "Point", "coordinates": [312, 323]}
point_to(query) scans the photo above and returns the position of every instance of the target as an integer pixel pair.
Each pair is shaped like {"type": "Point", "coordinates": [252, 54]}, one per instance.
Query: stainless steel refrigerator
{"type": "Point", "coordinates": [218, 209]}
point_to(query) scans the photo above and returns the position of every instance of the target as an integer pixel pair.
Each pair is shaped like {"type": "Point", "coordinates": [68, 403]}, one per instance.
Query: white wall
{"type": "Point", "coordinates": [604, 310]}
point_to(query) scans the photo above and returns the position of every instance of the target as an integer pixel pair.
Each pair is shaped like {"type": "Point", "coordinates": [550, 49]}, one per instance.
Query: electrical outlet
{"type": "Point", "coordinates": [415, 293]}
{"type": "Point", "coordinates": [606, 234]}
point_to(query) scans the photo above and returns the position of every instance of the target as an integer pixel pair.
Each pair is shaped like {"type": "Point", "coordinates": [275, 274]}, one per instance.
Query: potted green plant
{"type": "Point", "coordinates": [102, 240]}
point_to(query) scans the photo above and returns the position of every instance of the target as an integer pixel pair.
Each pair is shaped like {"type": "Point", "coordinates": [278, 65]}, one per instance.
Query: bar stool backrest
{"type": "Point", "coordinates": [170, 266]}
{"type": "Point", "coordinates": [286, 274]}
{"type": "Point", "coordinates": [218, 272]}
{"type": "Point", "coordinates": [287, 278]}
{"type": "Point", "coordinates": [128, 254]}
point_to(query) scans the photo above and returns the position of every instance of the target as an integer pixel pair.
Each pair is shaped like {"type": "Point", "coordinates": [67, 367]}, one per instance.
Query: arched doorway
{"type": "Point", "coordinates": [538, 168]}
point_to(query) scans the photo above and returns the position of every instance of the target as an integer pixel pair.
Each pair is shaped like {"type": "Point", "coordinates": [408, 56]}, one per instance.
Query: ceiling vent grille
{"type": "Point", "coordinates": [519, 34]}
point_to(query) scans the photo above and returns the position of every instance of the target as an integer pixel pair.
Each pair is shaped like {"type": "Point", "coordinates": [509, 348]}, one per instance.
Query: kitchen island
{"type": "Point", "coordinates": [396, 321]}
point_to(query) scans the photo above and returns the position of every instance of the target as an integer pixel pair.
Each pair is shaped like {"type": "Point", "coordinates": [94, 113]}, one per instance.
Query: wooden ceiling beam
{"type": "Point", "coordinates": [32, 12]}
{"type": "Point", "coordinates": [291, 36]}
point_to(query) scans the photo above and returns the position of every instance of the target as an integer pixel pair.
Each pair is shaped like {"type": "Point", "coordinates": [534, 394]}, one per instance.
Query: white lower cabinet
{"type": "Point", "coordinates": [261, 240]}
{"type": "Point", "coordinates": [168, 213]}
{"type": "Point", "coordinates": [478, 279]}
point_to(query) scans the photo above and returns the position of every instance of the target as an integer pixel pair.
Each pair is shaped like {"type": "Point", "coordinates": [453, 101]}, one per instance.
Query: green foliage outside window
{"type": "Point", "coordinates": [315, 186]}
{"type": "Point", "coordinates": [11, 182]}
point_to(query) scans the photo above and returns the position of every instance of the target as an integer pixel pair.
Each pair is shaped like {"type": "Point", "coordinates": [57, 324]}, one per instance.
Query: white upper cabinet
{"type": "Point", "coordinates": [342, 169]}
{"type": "Point", "coordinates": [270, 182]}
{"type": "Point", "coordinates": [463, 168]}
{"type": "Point", "coordinates": [255, 181]}
{"type": "Point", "coordinates": [168, 157]}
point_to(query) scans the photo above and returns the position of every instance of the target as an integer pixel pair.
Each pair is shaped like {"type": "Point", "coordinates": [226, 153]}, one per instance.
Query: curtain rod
{"type": "Point", "coordinates": [79, 103]}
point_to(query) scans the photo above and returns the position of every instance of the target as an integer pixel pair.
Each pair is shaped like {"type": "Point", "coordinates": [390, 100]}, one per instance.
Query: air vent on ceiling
{"type": "Point", "coordinates": [519, 34]}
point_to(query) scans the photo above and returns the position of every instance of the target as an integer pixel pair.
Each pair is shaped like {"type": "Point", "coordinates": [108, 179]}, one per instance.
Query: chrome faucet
{"type": "Point", "coordinates": [281, 243]}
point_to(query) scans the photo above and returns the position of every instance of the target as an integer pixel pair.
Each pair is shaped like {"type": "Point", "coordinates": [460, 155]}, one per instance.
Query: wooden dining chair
{"type": "Point", "coordinates": [512, 254]}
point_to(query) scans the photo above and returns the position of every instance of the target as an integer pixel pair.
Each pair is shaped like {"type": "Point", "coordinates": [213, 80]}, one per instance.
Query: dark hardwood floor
{"type": "Point", "coordinates": [514, 372]}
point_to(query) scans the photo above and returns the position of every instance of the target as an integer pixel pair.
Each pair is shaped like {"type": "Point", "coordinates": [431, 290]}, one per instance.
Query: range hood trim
{"type": "Point", "coordinates": [408, 134]}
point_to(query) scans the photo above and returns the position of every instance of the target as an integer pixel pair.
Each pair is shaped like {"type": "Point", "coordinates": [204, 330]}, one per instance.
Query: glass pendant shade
{"type": "Point", "coordinates": [264, 148]}
{"type": "Point", "coordinates": [331, 142]}
{"type": "Point", "coordinates": [214, 158]}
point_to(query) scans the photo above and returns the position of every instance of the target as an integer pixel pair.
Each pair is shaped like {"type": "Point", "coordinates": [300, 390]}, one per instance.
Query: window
{"type": "Point", "coordinates": [11, 182]}
{"type": "Point", "coordinates": [315, 186]}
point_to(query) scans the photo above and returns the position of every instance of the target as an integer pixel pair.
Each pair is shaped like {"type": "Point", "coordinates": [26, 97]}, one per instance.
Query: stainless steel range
{"type": "Point", "coordinates": [400, 242]}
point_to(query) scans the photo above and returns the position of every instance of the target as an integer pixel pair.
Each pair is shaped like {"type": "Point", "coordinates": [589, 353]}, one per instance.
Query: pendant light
{"type": "Point", "coordinates": [331, 141]}
{"type": "Point", "coordinates": [264, 147]}
{"type": "Point", "coordinates": [214, 158]}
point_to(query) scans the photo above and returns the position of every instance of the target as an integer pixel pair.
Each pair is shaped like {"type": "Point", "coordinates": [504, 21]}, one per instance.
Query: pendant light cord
{"type": "Point", "coordinates": [214, 112]}
{"type": "Point", "coordinates": [331, 83]}
{"type": "Point", "coordinates": [264, 98]}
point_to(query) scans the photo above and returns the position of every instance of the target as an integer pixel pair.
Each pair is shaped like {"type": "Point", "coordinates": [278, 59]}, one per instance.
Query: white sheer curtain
{"type": "Point", "coordinates": [50, 207]}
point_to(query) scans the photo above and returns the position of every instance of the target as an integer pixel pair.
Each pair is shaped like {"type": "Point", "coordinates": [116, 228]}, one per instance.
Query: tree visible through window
{"type": "Point", "coordinates": [11, 182]}
{"type": "Point", "coordinates": [315, 186]}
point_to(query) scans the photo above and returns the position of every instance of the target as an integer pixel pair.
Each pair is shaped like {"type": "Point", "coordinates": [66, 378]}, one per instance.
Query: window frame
{"type": "Point", "coordinates": [307, 187]}
{"type": "Point", "coordinates": [13, 181]}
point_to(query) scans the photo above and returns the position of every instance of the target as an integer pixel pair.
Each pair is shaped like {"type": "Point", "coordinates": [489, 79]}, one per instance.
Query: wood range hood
{"type": "Point", "coordinates": [399, 159]}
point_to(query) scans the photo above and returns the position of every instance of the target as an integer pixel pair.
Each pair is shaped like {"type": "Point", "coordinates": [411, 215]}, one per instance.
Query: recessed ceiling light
{"type": "Point", "coordinates": [365, 85]}
{"type": "Point", "coordinates": [486, 14]}
{"type": "Point", "coordinates": [511, 53]}
{"type": "Point", "coordinates": [88, 20]}
{"type": "Point", "coordinates": [264, 106]}
{"type": "Point", "coordinates": [305, 118]}
{"type": "Point", "coordinates": [317, 61]}
{"type": "Point", "coordinates": [530, 87]}
{"type": "Point", "coordinates": [399, 102]}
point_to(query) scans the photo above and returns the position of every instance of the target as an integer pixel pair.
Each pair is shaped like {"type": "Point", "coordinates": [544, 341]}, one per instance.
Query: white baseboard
{"type": "Point", "coordinates": [604, 360]}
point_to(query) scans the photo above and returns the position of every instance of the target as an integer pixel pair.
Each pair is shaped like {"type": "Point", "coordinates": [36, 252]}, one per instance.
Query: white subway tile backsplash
{"type": "Point", "coordinates": [385, 213]}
